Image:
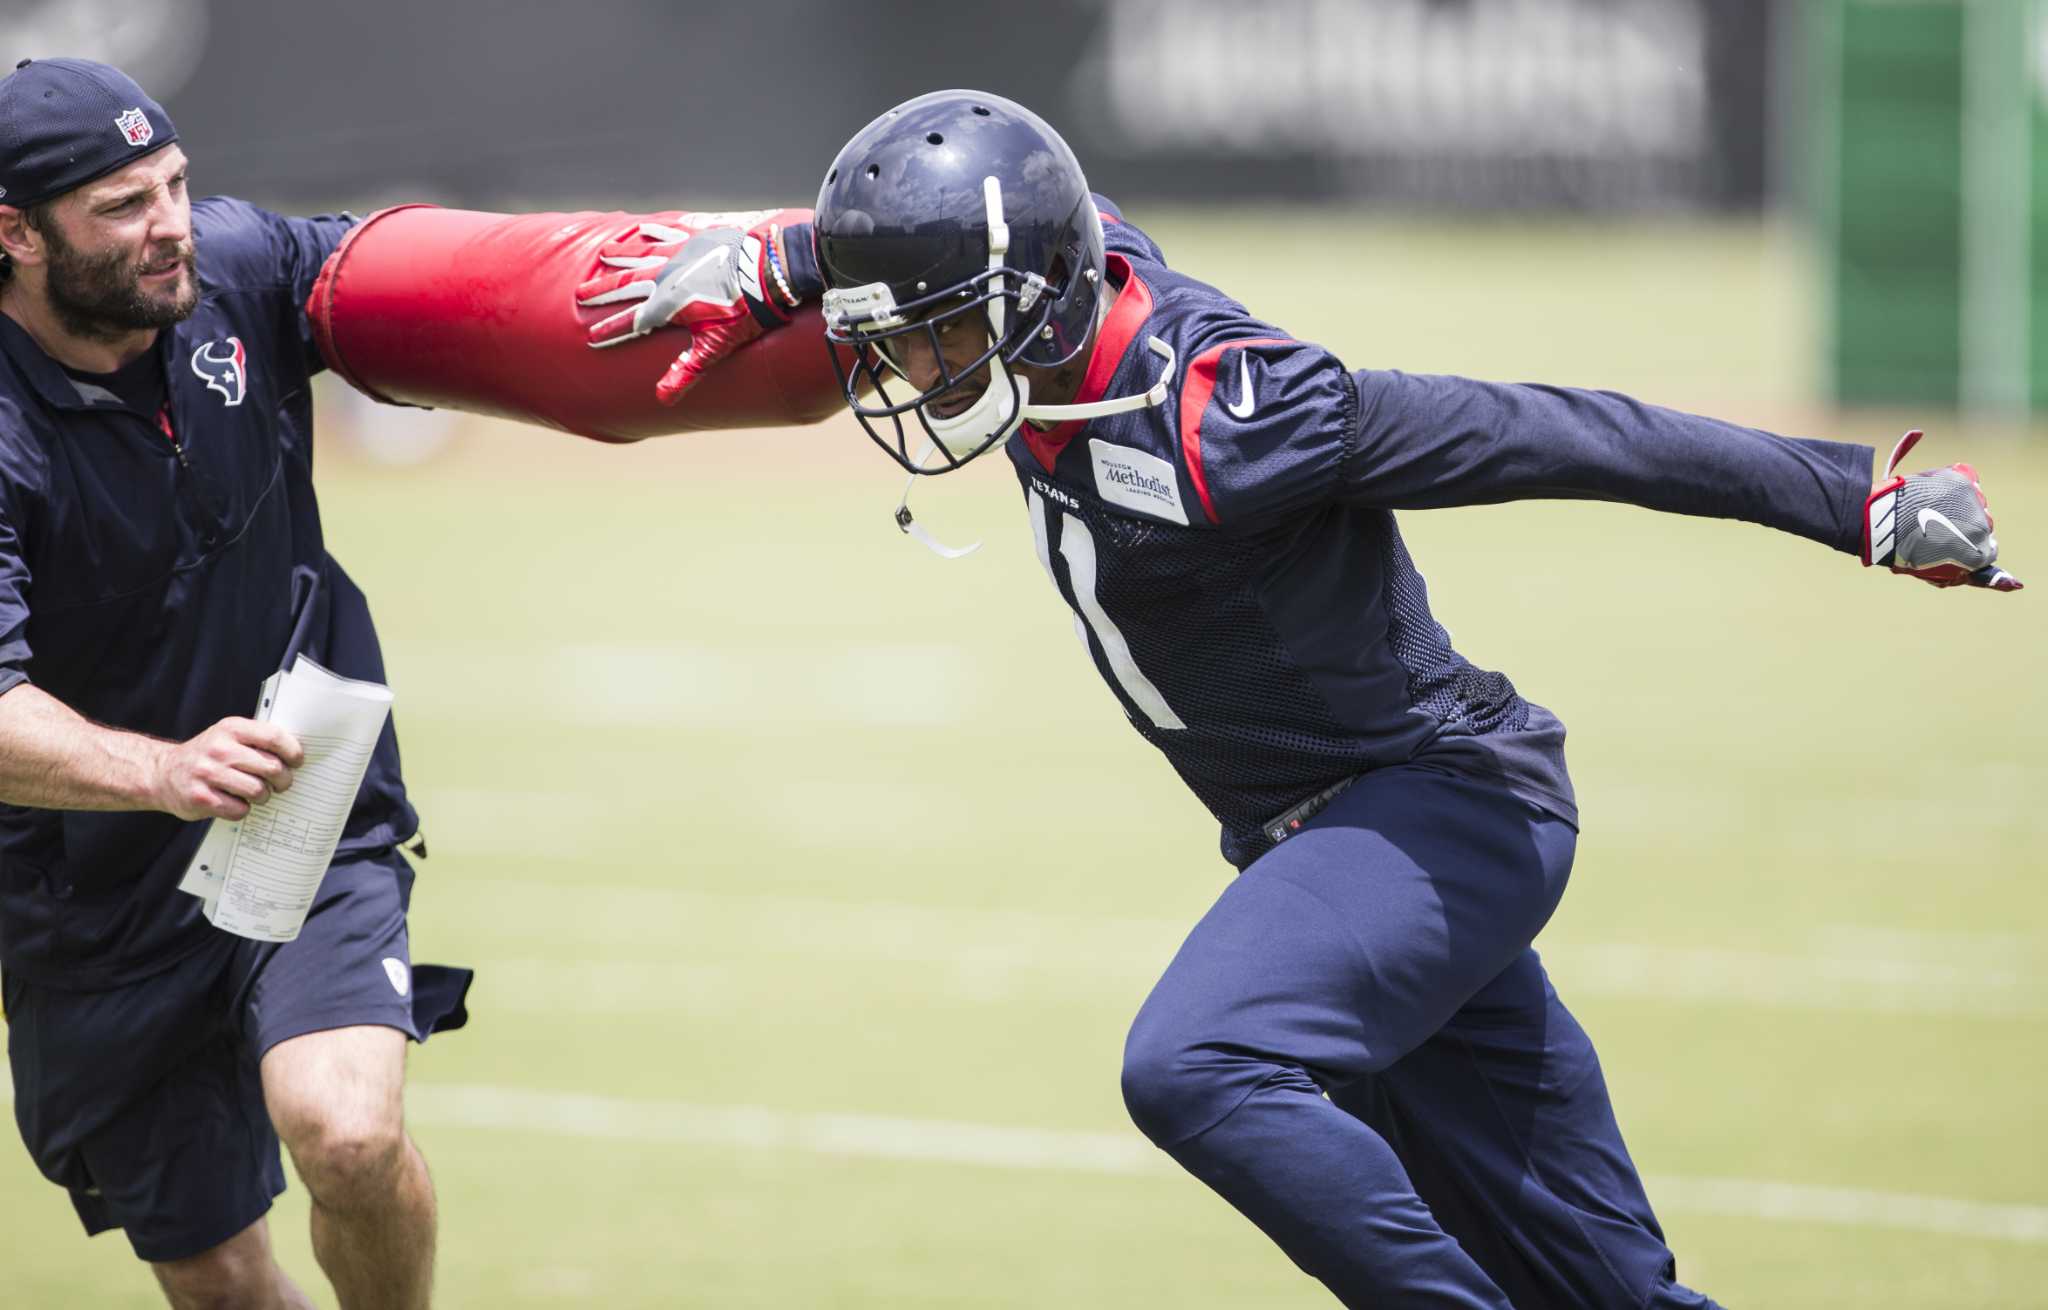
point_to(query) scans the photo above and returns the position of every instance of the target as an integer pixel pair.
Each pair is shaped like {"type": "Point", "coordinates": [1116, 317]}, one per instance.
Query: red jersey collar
{"type": "Point", "coordinates": [1120, 326]}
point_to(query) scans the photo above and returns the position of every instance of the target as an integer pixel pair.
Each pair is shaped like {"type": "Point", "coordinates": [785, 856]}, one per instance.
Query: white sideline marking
{"type": "Point", "coordinates": [996, 952]}
{"type": "Point", "coordinates": [691, 683]}
{"type": "Point", "coordinates": [950, 1142]}
{"type": "Point", "coordinates": [829, 812]}
{"type": "Point", "coordinates": [2010, 948]}
{"type": "Point", "coordinates": [936, 1141]}
{"type": "Point", "coordinates": [1852, 1207]}
{"type": "Point", "coordinates": [1835, 982]}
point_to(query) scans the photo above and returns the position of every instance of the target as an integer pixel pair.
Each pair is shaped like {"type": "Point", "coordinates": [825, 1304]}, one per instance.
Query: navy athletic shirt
{"type": "Point", "coordinates": [155, 563]}
{"type": "Point", "coordinates": [1236, 572]}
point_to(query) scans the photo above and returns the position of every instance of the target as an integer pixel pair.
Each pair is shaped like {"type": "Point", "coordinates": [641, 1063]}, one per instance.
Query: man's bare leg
{"type": "Point", "coordinates": [239, 1274]}
{"type": "Point", "coordinates": [338, 1100]}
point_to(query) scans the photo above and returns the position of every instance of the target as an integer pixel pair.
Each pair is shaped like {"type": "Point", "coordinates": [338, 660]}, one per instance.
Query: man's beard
{"type": "Point", "coordinates": [101, 297]}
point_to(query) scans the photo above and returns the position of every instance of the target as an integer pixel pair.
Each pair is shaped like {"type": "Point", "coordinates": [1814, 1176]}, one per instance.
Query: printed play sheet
{"type": "Point", "coordinates": [259, 875]}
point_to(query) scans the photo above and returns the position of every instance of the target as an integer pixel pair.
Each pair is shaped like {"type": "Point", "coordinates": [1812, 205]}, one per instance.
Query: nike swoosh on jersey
{"type": "Point", "coordinates": [1246, 402]}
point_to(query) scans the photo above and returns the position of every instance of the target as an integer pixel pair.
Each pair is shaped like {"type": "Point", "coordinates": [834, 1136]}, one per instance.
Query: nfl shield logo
{"type": "Point", "coordinates": [134, 126]}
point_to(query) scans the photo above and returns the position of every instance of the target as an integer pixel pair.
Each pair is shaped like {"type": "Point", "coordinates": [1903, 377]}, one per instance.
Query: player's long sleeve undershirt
{"type": "Point", "coordinates": [1429, 442]}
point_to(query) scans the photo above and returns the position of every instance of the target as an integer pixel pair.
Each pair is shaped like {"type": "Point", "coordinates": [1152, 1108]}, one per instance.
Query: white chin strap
{"type": "Point", "coordinates": [1005, 403]}
{"type": "Point", "coordinates": [906, 523]}
{"type": "Point", "coordinates": [992, 418]}
{"type": "Point", "coordinates": [1146, 399]}
{"type": "Point", "coordinates": [961, 428]}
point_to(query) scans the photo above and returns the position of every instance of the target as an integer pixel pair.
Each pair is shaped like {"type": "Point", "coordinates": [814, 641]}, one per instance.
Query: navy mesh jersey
{"type": "Point", "coordinates": [1236, 572]}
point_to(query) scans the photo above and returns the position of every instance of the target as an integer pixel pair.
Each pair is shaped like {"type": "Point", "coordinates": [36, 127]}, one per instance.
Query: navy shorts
{"type": "Point", "coordinates": [145, 1102]}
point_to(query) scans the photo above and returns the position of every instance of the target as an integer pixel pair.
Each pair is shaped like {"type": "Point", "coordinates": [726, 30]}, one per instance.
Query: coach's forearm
{"type": "Point", "coordinates": [53, 758]}
{"type": "Point", "coordinates": [1429, 442]}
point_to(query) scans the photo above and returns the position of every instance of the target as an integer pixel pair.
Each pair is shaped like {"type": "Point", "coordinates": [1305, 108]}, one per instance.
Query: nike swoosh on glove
{"type": "Point", "coordinates": [1934, 525]}
{"type": "Point", "coordinates": [722, 283]}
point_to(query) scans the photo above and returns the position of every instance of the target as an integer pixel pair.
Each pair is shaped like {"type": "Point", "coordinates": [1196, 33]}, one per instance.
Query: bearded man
{"type": "Point", "coordinates": [160, 553]}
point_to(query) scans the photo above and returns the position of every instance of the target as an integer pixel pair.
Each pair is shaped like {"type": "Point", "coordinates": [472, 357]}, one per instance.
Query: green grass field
{"type": "Point", "coordinates": [813, 881]}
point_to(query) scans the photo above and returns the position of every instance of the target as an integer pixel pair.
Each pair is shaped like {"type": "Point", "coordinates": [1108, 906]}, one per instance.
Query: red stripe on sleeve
{"type": "Point", "coordinates": [1198, 386]}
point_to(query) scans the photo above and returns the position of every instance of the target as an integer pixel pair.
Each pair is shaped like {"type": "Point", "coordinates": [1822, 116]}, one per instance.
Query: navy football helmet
{"type": "Point", "coordinates": [958, 209]}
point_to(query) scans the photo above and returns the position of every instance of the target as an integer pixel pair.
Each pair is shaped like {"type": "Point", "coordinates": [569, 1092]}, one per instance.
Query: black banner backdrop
{"type": "Point", "coordinates": [1416, 104]}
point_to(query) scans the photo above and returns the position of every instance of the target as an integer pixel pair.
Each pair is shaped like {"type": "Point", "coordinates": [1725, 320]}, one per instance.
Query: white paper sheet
{"type": "Point", "coordinates": [259, 875]}
{"type": "Point", "coordinates": [210, 862]}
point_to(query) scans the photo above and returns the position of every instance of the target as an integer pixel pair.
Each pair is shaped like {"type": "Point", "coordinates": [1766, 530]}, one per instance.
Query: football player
{"type": "Point", "coordinates": [1356, 1046]}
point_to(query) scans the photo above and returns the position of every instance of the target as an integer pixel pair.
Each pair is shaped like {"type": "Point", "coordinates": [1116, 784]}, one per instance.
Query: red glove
{"type": "Point", "coordinates": [1934, 525]}
{"type": "Point", "coordinates": [722, 277]}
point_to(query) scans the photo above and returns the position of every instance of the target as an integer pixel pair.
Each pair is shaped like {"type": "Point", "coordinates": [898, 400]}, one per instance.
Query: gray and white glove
{"type": "Point", "coordinates": [725, 278]}
{"type": "Point", "coordinates": [1934, 525]}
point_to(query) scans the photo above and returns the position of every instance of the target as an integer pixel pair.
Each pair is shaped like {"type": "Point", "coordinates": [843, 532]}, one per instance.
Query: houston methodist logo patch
{"type": "Point", "coordinates": [1137, 481]}
{"type": "Point", "coordinates": [134, 125]}
{"type": "Point", "coordinates": [225, 367]}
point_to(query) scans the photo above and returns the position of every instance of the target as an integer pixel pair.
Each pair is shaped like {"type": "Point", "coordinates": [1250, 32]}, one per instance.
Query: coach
{"type": "Point", "coordinates": [160, 551]}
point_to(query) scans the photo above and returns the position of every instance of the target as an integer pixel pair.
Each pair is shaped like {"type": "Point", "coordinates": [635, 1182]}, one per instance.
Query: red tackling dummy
{"type": "Point", "coordinates": [454, 309]}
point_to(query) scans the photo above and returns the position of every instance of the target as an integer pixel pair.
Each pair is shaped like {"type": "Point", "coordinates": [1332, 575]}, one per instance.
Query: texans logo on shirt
{"type": "Point", "coordinates": [225, 366]}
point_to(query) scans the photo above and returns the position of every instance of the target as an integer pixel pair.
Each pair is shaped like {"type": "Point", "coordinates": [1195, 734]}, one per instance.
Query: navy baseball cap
{"type": "Point", "coordinates": [64, 122]}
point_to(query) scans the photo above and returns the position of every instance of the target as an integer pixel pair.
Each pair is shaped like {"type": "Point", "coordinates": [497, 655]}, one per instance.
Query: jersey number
{"type": "Point", "coordinates": [1077, 548]}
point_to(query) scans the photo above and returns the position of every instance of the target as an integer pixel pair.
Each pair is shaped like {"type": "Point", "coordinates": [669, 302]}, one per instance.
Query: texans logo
{"type": "Point", "coordinates": [228, 374]}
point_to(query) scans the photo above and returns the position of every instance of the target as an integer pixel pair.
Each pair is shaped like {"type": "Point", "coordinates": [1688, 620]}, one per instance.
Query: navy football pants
{"type": "Point", "coordinates": [1465, 1154]}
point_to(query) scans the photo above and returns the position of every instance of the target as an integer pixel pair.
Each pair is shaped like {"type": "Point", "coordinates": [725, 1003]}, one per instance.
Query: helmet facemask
{"type": "Point", "coordinates": [1024, 319]}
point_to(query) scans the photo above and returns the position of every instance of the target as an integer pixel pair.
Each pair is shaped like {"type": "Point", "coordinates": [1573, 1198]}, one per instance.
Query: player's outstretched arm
{"type": "Point", "coordinates": [724, 284]}
{"type": "Point", "coordinates": [1424, 442]}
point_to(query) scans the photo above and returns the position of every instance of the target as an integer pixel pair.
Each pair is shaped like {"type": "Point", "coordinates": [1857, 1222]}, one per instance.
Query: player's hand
{"type": "Point", "coordinates": [226, 769]}
{"type": "Point", "coordinates": [724, 283]}
{"type": "Point", "coordinates": [1934, 525]}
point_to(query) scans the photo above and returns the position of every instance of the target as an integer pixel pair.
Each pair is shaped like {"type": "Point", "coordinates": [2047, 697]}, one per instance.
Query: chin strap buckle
{"type": "Point", "coordinates": [909, 525]}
